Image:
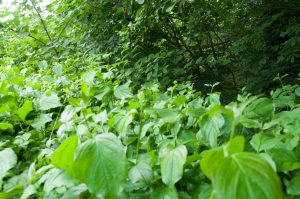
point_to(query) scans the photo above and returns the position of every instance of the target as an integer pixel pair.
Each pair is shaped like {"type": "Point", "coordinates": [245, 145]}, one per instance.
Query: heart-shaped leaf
{"type": "Point", "coordinates": [171, 163]}
{"type": "Point", "coordinates": [101, 164]}
{"type": "Point", "coordinates": [240, 174]}
{"type": "Point", "coordinates": [47, 102]}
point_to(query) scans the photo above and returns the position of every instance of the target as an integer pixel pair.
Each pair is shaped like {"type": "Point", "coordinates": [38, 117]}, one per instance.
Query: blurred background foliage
{"type": "Point", "coordinates": [239, 43]}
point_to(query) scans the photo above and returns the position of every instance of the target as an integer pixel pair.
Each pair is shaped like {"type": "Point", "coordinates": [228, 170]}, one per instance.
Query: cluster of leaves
{"type": "Point", "coordinates": [233, 42]}
{"type": "Point", "coordinates": [74, 123]}
{"type": "Point", "coordinates": [94, 138]}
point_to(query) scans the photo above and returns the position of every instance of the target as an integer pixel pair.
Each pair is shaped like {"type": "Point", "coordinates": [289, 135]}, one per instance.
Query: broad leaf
{"type": "Point", "coordinates": [297, 91]}
{"type": "Point", "coordinates": [68, 113]}
{"type": "Point", "coordinates": [122, 122]}
{"type": "Point", "coordinates": [141, 172]}
{"type": "Point", "coordinates": [210, 129]}
{"type": "Point", "coordinates": [285, 160]}
{"type": "Point", "coordinates": [82, 129]}
{"type": "Point", "coordinates": [43, 65]}
{"type": "Point", "coordinates": [75, 192]}
{"type": "Point", "coordinates": [30, 190]}
{"type": "Point", "coordinates": [88, 77]}
{"type": "Point", "coordinates": [145, 128]}
{"type": "Point", "coordinates": [41, 120]}
{"type": "Point", "coordinates": [262, 107]}
{"type": "Point", "coordinates": [203, 191]}
{"type": "Point", "coordinates": [164, 192]}
{"type": "Point", "coordinates": [101, 165]}
{"type": "Point", "coordinates": [8, 160]}
{"type": "Point", "coordinates": [245, 175]}
{"type": "Point", "coordinates": [56, 178]}
{"type": "Point", "coordinates": [240, 174]}
{"type": "Point", "coordinates": [101, 117]}
{"type": "Point", "coordinates": [25, 109]}
{"type": "Point", "coordinates": [102, 92]}
{"type": "Point", "coordinates": [262, 141]}
{"type": "Point", "coordinates": [6, 126]}
{"type": "Point", "coordinates": [57, 69]}
{"type": "Point", "coordinates": [48, 102]}
{"type": "Point", "coordinates": [293, 187]}
{"type": "Point", "coordinates": [63, 156]}
{"type": "Point", "coordinates": [171, 163]}
{"type": "Point", "coordinates": [123, 91]}
{"type": "Point", "coordinates": [195, 112]}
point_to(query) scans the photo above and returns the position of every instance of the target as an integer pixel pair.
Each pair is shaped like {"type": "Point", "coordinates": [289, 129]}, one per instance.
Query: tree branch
{"type": "Point", "coordinates": [44, 25]}
{"type": "Point", "coordinates": [31, 36]}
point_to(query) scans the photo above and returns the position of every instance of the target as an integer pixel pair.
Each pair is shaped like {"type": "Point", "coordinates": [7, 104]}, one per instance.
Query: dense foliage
{"type": "Point", "coordinates": [117, 99]}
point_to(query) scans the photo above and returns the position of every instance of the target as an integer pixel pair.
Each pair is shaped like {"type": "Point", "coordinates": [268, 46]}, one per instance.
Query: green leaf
{"type": "Point", "coordinates": [262, 141]}
{"type": "Point", "coordinates": [6, 126]}
{"type": "Point", "coordinates": [170, 8]}
{"type": "Point", "coordinates": [167, 115]}
{"type": "Point", "coordinates": [285, 160]}
{"type": "Point", "coordinates": [171, 163]}
{"type": "Point", "coordinates": [40, 122]}
{"type": "Point", "coordinates": [68, 113]}
{"type": "Point", "coordinates": [249, 123]}
{"type": "Point", "coordinates": [30, 190]}
{"type": "Point", "coordinates": [63, 156]}
{"type": "Point", "coordinates": [208, 163]}
{"type": "Point", "coordinates": [236, 145]}
{"type": "Point", "coordinates": [214, 99]}
{"type": "Point", "coordinates": [75, 102]}
{"type": "Point", "coordinates": [180, 100]}
{"type": "Point", "coordinates": [102, 92]}
{"type": "Point", "coordinates": [43, 65]}
{"type": "Point", "coordinates": [82, 129]}
{"type": "Point", "coordinates": [145, 128]}
{"type": "Point", "coordinates": [57, 69]}
{"type": "Point", "coordinates": [101, 117]}
{"type": "Point", "coordinates": [121, 122]}
{"type": "Point", "coordinates": [48, 102]}
{"type": "Point", "coordinates": [210, 129]}
{"type": "Point", "coordinates": [293, 187]}
{"type": "Point", "coordinates": [184, 195]}
{"type": "Point", "coordinates": [195, 112]}
{"type": "Point", "coordinates": [56, 178]}
{"type": "Point", "coordinates": [284, 101]}
{"type": "Point", "coordinates": [75, 192]}
{"type": "Point", "coordinates": [101, 165]}
{"type": "Point", "coordinates": [203, 191]}
{"type": "Point", "coordinates": [8, 160]}
{"type": "Point", "coordinates": [262, 107]}
{"type": "Point", "coordinates": [16, 190]}
{"type": "Point", "coordinates": [297, 91]}
{"type": "Point", "coordinates": [164, 192]}
{"type": "Point", "coordinates": [246, 175]}
{"type": "Point", "coordinates": [25, 109]}
{"type": "Point", "coordinates": [88, 77]}
{"type": "Point", "coordinates": [141, 172]}
{"type": "Point", "coordinates": [123, 91]}
{"type": "Point", "coordinates": [238, 174]}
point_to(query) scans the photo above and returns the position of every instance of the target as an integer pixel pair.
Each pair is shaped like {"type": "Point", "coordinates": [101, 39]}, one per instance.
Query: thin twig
{"type": "Point", "coordinates": [37, 39]}
{"type": "Point", "coordinates": [62, 30]}
{"type": "Point", "coordinates": [31, 36]}
{"type": "Point", "coordinates": [44, 25]}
